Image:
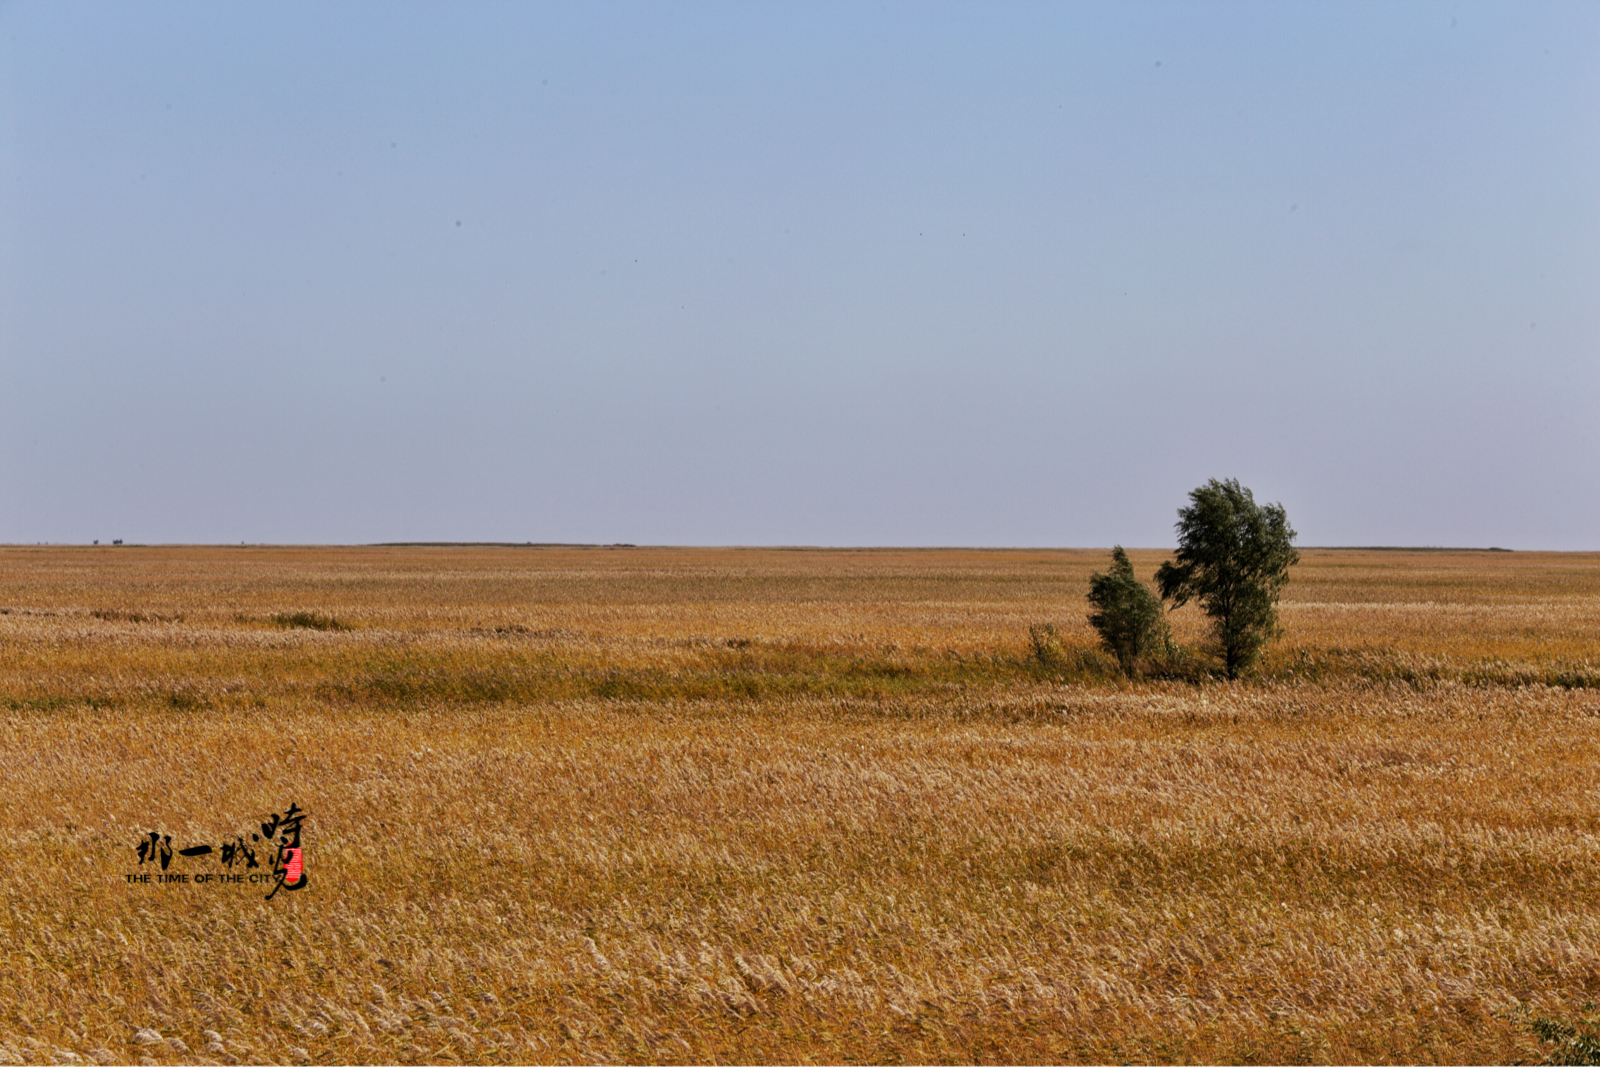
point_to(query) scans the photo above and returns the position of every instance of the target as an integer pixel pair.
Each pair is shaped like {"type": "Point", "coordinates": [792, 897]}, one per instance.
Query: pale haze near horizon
{"type": "Point", "coordinates": [1009, 275]}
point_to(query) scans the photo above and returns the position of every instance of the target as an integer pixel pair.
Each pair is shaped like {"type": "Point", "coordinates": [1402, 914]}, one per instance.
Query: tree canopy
{"type": "Point", "coordinates": [1233, 559]}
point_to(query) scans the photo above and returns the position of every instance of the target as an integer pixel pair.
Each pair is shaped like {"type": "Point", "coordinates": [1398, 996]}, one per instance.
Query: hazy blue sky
{"type": "Point", "coordinates": [989, 274]}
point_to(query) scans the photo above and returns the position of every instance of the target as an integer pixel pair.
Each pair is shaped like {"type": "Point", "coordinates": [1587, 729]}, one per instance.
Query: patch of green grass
{"type": "Point", "coordinates": [59, 702]}
{"type": "Point", "coordinates": [1322, 666]}
{"type": "Point", "coordinates": [115, 615]}
{"type": "Point", "coordinates": [308, 620]}
{"type": "Point", "coordinates": [748, 673]}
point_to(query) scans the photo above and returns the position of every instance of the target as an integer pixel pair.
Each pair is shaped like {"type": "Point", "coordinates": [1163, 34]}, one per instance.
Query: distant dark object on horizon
{"type": "Point", "coordinates": [1401, 548]}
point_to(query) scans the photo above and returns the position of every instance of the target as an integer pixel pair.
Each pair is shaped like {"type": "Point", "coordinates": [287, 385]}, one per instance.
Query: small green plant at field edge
{"type": "Point", "coordinates": [1049, 655]}
{"type": "Point", "coordinates": [1575, 1042]}
{"type": "Point", "coordinates": [1045, 647]}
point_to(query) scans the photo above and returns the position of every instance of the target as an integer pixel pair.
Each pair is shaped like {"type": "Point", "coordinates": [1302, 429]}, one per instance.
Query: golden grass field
{"type": "Point", "coordinates": [635, 805]}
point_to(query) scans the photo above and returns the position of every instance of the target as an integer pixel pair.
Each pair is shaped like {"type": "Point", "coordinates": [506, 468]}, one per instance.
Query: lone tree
{"type": "Point", "coordinates": [1233, 557]}
{"type": "Point", "coordinates": [1127, 616]}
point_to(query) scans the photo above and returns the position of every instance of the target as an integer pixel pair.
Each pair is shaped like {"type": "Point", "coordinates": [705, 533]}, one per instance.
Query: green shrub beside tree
{"type": "Point", "coordinates": [1127, 616]}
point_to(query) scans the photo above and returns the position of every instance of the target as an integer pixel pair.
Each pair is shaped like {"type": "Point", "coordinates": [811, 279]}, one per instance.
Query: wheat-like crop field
{"type": "Point", "coordinates": [663, 805]}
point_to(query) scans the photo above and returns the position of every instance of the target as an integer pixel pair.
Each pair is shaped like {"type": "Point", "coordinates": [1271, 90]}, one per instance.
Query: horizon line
{"type": "Point", "coordinates": [730, 547]}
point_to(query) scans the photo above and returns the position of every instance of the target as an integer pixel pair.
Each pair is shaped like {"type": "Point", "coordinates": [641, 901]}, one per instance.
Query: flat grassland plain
{"type": "Point", "coordinates": [755, 805]}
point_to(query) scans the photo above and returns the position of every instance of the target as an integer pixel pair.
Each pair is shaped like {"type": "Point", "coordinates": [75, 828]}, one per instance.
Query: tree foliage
{"type": "Point", "coordinates": [1233, 558]}
{"type": "Point", "coordinates": [1127, 616]}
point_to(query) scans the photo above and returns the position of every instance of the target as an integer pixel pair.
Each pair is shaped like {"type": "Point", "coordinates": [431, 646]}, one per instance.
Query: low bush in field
{"type": "Point", "coordinates": [308, 620]}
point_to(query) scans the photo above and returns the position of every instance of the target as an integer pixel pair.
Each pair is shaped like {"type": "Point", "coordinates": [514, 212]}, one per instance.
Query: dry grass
{"type": "Point", "coordinates": [664, 805]}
